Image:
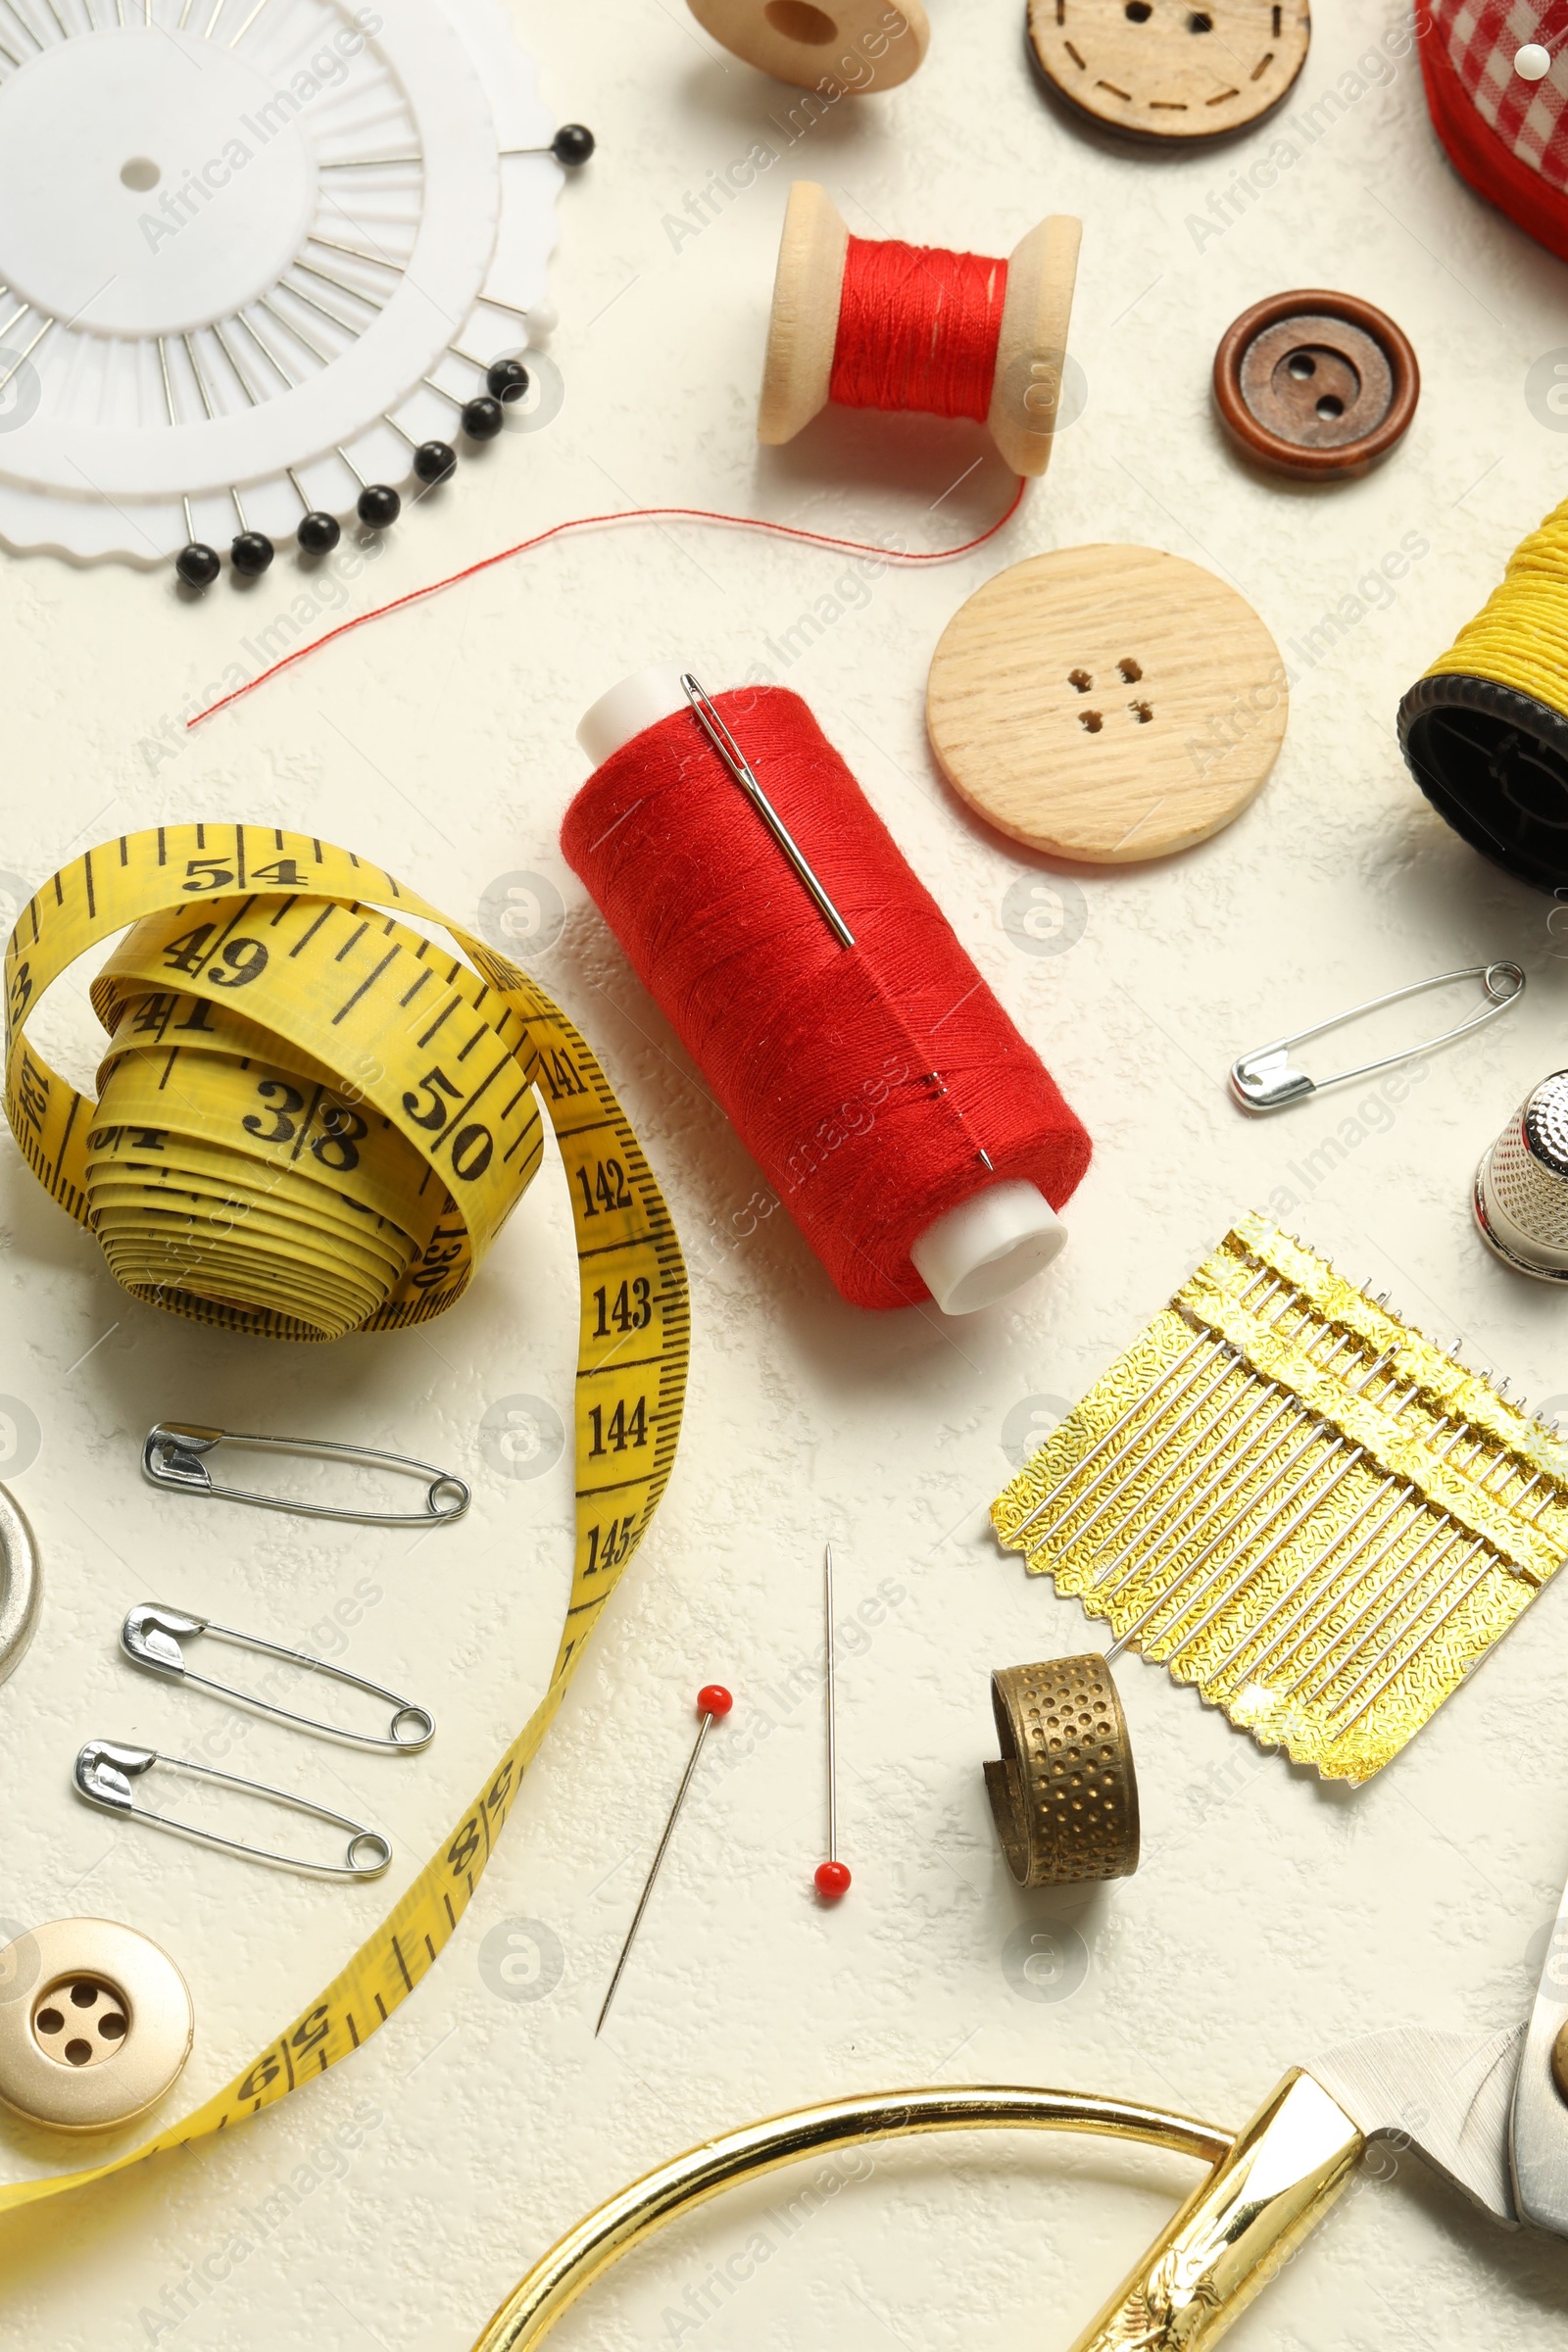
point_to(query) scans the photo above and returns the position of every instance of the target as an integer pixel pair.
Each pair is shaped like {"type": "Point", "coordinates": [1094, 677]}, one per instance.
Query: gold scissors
{"type": "Point", "coordinates": [1491, 2115]}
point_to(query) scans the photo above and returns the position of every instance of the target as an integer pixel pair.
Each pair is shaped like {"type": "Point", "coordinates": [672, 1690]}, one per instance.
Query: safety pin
{"type": "Point", "coordinates": [740, 767]}
{"type": "Point", "coordinates": [1265, 1081]}
{"type": "Point", "coordinates": [174, 1451]}
{"type": "Point", "coordinates": [106, 1768]}
{"type": "Point", "coordinates": [153, 1632]}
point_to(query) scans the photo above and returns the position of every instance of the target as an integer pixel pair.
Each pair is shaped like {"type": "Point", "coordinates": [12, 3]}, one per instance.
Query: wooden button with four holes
{"type": "Point", "coordinates": [1107, 704]}
{"type": "Point", "coordinates": [1315, 384]}
{"type": "Point", "coordinates": [1181, 69]}
{"type": "Point", "coordinates": [95, 2025]}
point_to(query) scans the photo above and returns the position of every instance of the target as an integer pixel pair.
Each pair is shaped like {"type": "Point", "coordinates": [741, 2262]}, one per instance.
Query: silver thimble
{"type": "Point", "coordinates": [1521, 1195]}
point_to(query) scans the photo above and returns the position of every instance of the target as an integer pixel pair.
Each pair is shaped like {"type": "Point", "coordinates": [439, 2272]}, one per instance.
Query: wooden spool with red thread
{"type": "Point", "coordinates": [834, 301]}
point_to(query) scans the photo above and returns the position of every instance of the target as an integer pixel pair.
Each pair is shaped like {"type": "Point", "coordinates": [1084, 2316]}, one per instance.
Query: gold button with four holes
{"type": "Point", "coordinates": [95, 2023]}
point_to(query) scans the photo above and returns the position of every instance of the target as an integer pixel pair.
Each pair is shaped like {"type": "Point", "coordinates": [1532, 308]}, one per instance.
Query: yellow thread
{"type": "Point", "coordinates": [1520, 636]}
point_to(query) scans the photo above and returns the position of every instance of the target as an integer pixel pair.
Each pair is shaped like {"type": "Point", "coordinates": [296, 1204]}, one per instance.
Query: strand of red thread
{"type": "Point", "coordinates": [918, 328]}
{"type": "Point", "coordinates": [587, 522]}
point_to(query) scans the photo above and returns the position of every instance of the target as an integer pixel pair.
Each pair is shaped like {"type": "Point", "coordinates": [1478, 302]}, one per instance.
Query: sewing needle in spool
{"type": "Point", "coordinates": [740, 767]}
{"type": "Point", "coordinates": [713, 1700]}
{"type": "Point", "coordinates": [832, 1876]}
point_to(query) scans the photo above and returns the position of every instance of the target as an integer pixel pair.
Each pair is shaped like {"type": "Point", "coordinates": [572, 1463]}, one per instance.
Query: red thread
{"type": "Point", "coordinates": [585, 522]}
{"type": "Point", "coordinates": [918, 328]}
{"type": "Point", "coordinates": [866, 1080]}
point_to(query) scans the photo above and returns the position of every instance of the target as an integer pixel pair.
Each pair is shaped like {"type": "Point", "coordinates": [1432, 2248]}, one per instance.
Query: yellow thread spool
{"type": "Point", "coordinates": [1484, 732]}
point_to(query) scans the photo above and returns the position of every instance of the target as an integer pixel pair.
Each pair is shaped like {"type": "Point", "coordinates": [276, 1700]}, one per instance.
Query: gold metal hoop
{"type": "Point", "coordinates": [584, 2253]}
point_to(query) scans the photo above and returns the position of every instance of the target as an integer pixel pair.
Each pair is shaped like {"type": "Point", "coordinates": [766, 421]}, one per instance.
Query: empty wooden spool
{"type": "Point", "coordinates": [845, 47]}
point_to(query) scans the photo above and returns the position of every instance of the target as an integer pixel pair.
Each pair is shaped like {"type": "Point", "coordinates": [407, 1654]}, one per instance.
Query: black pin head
{"type": "Point", "coordinates": [198, 566]}
{"type": "Point", "coordinates": [573, 144]}
{"type": "Point", "coordinates": [251, 553]}
{"type": "Point", "coordinates": [379, 505]}
{"type": "Point", "coordinates": [507, 380]}
{"type": "Point", "coordinates": [433, 461]}
{"type": "Point", "coordinates": [481, 418]}
{"type": "Point", "coordinates": [319, 533]}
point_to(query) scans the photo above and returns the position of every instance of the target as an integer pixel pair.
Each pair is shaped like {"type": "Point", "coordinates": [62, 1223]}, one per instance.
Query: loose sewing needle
{"type": "Point", "coordinates": [832, 1876]}
{"type": "Point", "coordinates": [712, 1700]}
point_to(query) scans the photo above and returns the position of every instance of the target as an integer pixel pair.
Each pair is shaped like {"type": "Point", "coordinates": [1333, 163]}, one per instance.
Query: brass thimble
{"type": "Point", "coordinates": [1521, 1192]}
{"type": "Point", "coordinates": [1064, 1793]}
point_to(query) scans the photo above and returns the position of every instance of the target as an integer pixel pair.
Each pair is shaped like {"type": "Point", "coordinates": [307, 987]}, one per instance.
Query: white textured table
{"type": "Point", "coordinates": [395, 2203]}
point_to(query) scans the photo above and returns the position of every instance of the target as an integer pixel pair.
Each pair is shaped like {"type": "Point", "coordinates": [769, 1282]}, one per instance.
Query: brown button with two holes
{"type": "Point", "coordinates": [95, 2025]}
{"type": "Point", "coordinates": [1315, 384]}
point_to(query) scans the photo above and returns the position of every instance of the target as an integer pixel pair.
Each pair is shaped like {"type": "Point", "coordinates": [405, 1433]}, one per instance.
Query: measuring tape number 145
{"type": "Point", "coordinates": [312, 1120]}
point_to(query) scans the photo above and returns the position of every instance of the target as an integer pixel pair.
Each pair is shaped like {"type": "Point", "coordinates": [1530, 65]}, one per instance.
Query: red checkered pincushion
{"type": "Point", "coordinates": [1507, 136]}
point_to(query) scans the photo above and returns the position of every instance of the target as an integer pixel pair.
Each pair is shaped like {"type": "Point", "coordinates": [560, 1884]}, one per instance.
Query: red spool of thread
{"type": "Point", "coordinates": [918, 328]}
{"type": "Point", "coordinates": [871, 326]}
{"type": "Point", "coordinates": [912, 1134]}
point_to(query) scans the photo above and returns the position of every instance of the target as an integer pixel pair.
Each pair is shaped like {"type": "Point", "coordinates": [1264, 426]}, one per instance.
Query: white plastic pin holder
{"type": "Point", "coordinates": [262, 264]}
{"type": "Point", "coordinates": [991, 1244]}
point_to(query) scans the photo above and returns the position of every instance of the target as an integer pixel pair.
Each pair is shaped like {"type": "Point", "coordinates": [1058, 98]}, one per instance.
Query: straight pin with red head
{"type": "Point", "coordinates": [713, 1700]}
{"type": "Point", "coordinates": [832, 1876]}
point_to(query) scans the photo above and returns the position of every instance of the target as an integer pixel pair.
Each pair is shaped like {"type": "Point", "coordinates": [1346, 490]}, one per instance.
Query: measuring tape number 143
{"type": "Point", "coordinates": [312, 1120]}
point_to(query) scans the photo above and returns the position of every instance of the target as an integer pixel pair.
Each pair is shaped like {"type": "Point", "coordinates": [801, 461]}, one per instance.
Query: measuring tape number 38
{"type": "Point", "coordinates": [312, 1120]}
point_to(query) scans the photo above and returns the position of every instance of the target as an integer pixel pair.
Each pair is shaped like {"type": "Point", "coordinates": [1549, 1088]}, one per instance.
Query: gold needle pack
{"type": "Point", "coordinates": [1298, 1503]}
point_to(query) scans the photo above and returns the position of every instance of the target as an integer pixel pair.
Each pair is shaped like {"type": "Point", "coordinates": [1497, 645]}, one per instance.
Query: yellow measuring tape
{"type": "Point", "coordinates": [311, 1120]}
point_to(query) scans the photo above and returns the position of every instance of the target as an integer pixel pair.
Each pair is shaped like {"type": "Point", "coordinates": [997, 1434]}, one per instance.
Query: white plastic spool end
{"type": "Point", "coordinates": [991, 1244]}
{"type": "Point", "coordinates": [988, 1246]}
{"type": "Point", "coordinates": [637, 703]}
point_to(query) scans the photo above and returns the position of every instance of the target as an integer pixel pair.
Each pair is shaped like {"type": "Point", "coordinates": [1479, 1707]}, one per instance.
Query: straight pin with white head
{"type": "Point", "coordinates": [713, 1701]}
{"type": "Point", "coordinates": [832, 1876]}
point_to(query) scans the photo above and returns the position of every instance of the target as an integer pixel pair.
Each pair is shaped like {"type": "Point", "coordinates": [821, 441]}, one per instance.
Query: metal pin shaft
{"type": "Point", "coordinates": [832, 1743]}
{"type": "Point", "coordinates": [709, 1712]}
{"type": "Point", "coordinates": [1203, 1339]}
{"type": "Point", "coordinates": [1329, 1665]}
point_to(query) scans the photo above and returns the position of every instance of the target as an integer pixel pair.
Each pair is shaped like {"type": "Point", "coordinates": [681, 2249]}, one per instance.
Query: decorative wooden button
{"type": "Point", "coordinates": [1106, 702]}
{"type": "Point", "coordinates": [1315, 383]}
{"type": "Point", "coordinates": [1171, 68]}
{"type": "Point", "coordinates": [845, 47]}
{"type": "Point", "coordinates": [95, 2025]}
{"type": "Point", "coordinates": [1064, 1793]}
